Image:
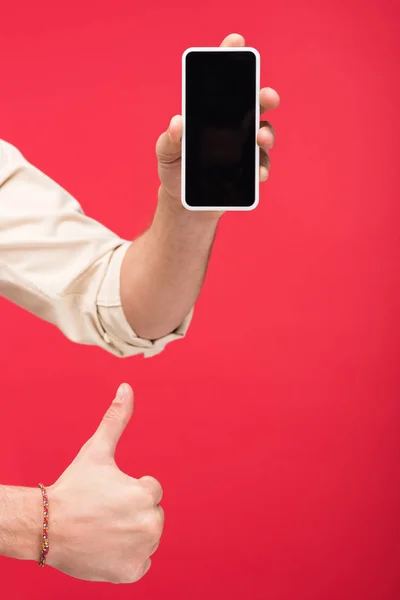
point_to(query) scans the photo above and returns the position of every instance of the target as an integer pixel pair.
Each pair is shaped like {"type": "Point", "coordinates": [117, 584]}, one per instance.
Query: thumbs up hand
{"type": "Point", "coordinates": [103, 524]}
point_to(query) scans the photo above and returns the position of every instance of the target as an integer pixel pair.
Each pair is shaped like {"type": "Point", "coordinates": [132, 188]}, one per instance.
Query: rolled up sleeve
{"type": "Point", "coordinates": [61, 265]}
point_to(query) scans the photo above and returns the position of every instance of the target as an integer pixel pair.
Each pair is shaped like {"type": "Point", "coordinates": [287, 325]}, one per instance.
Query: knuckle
{"type": "Point", "coordinates": [137, 572]}
{"type": "Point", "coordinates": [166, 151]}
{"type": "Point", "coordinates": [155, 547]}
{"type": "Point", "coordinates": [154, 524]}
{"type": "Point", "coordinates": [111, 410]}
{"type": "Point", "coordinates": [111, 414]}
{"type": "Point", "coordinates": [267, 125]}
{"type": "Point", "coordinates": [149, 480]}
{"type": "Point", "coordinates": [160, 144]}
{"type": "Point", "coordinates": [127, 572]}
{"type": "Point", "coordinates": [117, 577]}
{"type": "Point", "coordinates": [132, 576]}
{"type": "Point", "coordinates": [152, 487]}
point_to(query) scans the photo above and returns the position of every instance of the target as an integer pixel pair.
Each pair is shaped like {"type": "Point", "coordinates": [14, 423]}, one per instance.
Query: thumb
{"type": "Point", "coordinates": [115, 420]}
{"type": "Point", "coordinates": [168, 146]}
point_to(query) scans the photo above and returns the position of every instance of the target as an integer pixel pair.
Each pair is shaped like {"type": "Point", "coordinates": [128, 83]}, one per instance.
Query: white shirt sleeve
{"type": "Point", "coordinates": [61, 265]}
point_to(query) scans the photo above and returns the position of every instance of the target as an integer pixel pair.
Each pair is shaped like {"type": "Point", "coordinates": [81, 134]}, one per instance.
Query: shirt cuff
{"type": "Point", "coordinates": [117, 331]}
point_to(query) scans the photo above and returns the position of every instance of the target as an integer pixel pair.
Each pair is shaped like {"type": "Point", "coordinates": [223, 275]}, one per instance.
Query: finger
{"type": "Point", "coordinates": [265, 165]}
{"type": "Point", "coordinates": [142, 570]}
{"type": "Point", "coordinates": [154, 548]}
{"type": "Point", "coordinates": [114, 421]}
{"type": "Point", "coordinates": [153, 487]}
{"type": "Point", "coordinates": [268, 125]}
{"type": "Point", "coordinates": [175, 129]}
{"type": "Point", "coordinates": [265, 135]}
{"type": "Point", "coordinates": [265, 160]}
{"type": "Point", "coordinates": [264, 174]}
{"type": "Point", "coordinates": [269, 99]}
{"type": "Point", "coordinates": [233, 40]}
{"type": "Point", "coordinates": [151, 523]}
{"type": "Point", "coordinates": [168, 147]}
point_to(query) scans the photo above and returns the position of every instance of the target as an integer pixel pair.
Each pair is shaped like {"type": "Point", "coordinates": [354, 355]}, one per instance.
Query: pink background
{"type": "Point", "coordinates": [274, 428]}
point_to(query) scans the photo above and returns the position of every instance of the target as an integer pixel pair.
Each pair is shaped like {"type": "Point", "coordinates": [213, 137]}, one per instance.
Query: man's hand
{"type": "Point", "coordinates": [163, 270]}
{"type": "Point", "coordinates": [168, 146]}
{"type": "Point", "coordinates": [104, 525]}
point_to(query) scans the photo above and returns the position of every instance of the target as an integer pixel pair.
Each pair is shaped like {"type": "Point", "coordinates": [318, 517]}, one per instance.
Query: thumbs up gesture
{"type": "Point", "coordinates": [103, 524]}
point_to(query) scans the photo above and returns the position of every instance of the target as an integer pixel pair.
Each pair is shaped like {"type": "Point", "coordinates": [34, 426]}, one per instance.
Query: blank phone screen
{"type": "Point", "coordinates": [220, 130]}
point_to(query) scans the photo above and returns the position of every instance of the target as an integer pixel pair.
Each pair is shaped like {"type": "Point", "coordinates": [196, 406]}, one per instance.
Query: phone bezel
{"type": "Point", "coordinates": [257, 125]}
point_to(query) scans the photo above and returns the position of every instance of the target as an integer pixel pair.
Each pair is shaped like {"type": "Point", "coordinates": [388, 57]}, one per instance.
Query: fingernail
{"type": "Point", "coordinates": [120, 393]}
{"type": "Point", "coordinates": [170, 130]}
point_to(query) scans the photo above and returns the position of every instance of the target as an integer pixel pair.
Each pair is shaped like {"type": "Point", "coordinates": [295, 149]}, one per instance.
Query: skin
{"type": "Point", "coordinates": [164, 269]}
{"type": "Point", "coordinates": [103, 524]}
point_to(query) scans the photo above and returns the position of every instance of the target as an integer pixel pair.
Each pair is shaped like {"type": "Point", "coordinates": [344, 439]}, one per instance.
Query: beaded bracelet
{"type": "Point", "coordinates": [45, 542]}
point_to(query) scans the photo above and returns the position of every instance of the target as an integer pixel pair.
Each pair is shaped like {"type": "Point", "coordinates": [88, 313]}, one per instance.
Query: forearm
{"type": "Point", "coordinates": [20, 522]}
{"type": "Point", "coordinates": [163, 270]}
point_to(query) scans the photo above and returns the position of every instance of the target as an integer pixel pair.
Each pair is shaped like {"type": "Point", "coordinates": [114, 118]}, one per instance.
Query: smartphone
{"type": "Point", "coordinates": [221, 116]}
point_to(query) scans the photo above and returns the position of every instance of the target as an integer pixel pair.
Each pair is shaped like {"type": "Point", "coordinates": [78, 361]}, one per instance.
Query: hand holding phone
{"type": "Point", "coordinates": [218, 182]}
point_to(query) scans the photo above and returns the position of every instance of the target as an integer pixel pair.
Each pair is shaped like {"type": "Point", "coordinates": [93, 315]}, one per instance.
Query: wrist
{"type": "Point", "coordinates": [21, 522]}
{"type": "Point", "coordinates": [178, 211]}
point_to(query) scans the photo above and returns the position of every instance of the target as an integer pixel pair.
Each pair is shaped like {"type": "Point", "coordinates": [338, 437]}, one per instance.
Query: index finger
{"type": "Point", "coordinates": [233, 40]}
